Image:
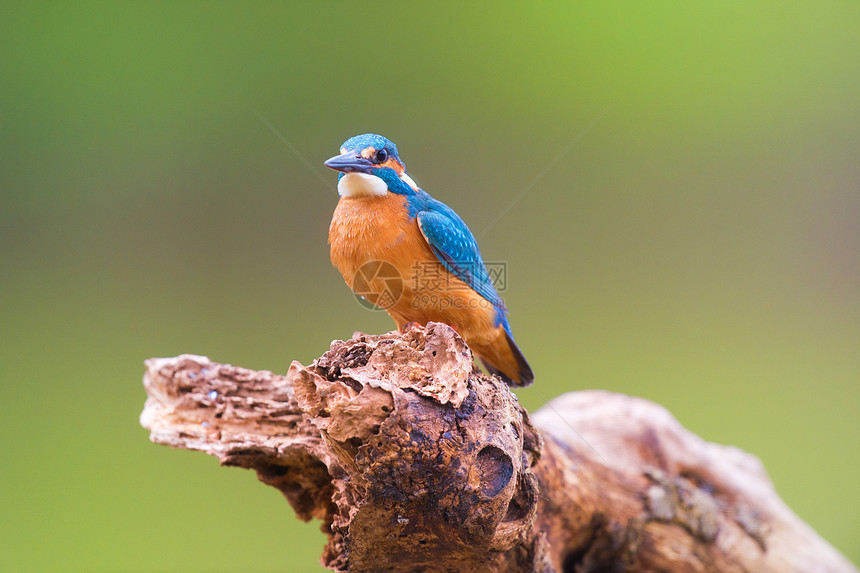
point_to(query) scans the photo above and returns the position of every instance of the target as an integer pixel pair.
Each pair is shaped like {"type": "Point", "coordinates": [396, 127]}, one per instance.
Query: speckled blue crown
{"type": "Point", "coordinates": [370, 140]}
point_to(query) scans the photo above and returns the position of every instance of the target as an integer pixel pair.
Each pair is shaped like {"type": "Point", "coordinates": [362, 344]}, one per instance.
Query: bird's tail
{"type": "Point", "coordinates": [505, 359]}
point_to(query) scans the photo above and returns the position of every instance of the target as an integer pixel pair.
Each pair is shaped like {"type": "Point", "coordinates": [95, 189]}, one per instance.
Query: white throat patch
{"type": "Point", "coordinates": [361, 185]}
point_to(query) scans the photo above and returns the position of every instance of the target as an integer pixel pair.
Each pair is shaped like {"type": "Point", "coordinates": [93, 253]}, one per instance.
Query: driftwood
{"type": "Point", "coordinates": [416, 461]}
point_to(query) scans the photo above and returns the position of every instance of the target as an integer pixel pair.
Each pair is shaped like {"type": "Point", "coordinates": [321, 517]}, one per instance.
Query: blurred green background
{"type": "Point", "coordinates": [674, 186]}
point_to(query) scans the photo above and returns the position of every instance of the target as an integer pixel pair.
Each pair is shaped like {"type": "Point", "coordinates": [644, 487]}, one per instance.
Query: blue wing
{"type": "Point", "coordinates": [455, 247]}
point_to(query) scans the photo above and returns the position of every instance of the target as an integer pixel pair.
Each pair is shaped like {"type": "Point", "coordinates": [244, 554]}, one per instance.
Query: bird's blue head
{"type": "Point", "coordinates": [370, 167]}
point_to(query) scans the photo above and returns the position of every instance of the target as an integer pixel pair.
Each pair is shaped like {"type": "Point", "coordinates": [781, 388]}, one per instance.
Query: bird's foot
{"type": "Point", "coordinates": [409, 325]}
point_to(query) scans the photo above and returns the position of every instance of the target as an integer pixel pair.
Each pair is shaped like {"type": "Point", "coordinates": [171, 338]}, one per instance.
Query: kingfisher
{"type": "Point", "coordinates": [414, 256]}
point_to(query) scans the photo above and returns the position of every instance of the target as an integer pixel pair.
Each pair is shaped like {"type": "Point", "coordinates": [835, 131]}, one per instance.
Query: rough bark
{"type": "Point", "coordinates": [415, 461]}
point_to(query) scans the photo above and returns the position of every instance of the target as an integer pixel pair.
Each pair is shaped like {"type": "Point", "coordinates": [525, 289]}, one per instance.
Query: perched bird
{"type": "Point", "coordinates": [413, 255]}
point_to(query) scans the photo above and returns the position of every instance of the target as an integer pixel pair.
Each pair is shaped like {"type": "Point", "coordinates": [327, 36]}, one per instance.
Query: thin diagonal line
{"type": "Point", "coordinates": [541, 174]}
{"type": "Point", "coordinates": [326, 182]}
{"type": "Point", "coordinates": [546, 403]}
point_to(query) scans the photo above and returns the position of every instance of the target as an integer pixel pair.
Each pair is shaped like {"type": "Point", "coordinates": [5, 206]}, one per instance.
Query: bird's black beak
{"type": "Point", "coordinates": [348, 163]}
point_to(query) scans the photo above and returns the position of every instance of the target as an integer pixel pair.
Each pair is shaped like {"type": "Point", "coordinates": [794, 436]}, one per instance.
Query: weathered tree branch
{"type": "Point", "coordinates": [414, 461]}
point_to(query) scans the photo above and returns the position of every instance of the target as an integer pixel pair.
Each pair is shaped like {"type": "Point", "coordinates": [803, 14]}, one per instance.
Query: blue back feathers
{"type": "Point", "coordinates": [454, 245]}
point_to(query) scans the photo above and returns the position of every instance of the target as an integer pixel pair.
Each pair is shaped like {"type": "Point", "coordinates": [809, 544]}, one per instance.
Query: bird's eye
{"type": "Point", "coordinates": [381, 156]}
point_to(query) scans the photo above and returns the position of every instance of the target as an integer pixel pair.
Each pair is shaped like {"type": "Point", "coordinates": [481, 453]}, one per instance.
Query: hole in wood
{"type": "Point", "coordinates": [496, 470]}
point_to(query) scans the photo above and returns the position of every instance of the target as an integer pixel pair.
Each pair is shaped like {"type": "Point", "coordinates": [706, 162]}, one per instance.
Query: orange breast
{"type": "Point", "coordinates": [368, 229]}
